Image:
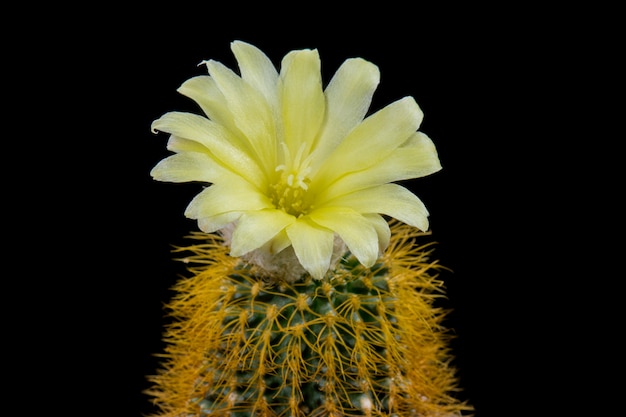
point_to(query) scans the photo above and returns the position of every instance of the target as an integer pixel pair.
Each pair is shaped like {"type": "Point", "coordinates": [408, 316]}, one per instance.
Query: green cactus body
{"type": "Point", "coordinates": [361, 341]}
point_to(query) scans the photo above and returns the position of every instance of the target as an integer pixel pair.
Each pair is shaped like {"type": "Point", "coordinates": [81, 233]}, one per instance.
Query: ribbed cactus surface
{"type": "Point", "coordinates": [361, 341]}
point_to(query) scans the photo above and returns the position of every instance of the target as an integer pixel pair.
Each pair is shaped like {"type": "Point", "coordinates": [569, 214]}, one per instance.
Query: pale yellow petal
{"type": "Point", "coordinates": [203, 90]}
{"type": "Point", "coordinates": [186, 167]}
{"type": "Point", "coordinates": [302, 98]}
{"type": "Point", "coordinates": [416, 158]}
{"type": "Point", "coordinates": [280, 242]}
{"type": "Point", "coordinates": [348, 97]}
{"type": "Point", "coordinates": [178, 144]}
{"type": "Point", "coordinates": [217, 140]}
{"type": "Point", "coordinates": [390, 199]}
{"type": "Point", "coordinates": [355, 230]}
{"type": "Point", "coordinates": [224, 197]}
{"type": "Point", "coordinates": [257, 70]}
{"type": "Point", "coordinates": [382, 230]}
{"type": "Point", "coordinates": [251, 113]}
{"type": "Point", "coordinates": [313, 245]}
{"type": "Point", "coordinates": [372, 141]}
{"type": "Point", "coordinates": [425, 157]}
{"type": "Point", "coordinates": [255, 228]}
{"type": "Point", "coordinates": [215, 223]}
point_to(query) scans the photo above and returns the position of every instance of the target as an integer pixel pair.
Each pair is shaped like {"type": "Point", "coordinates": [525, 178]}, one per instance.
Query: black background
{"type": "Point", "coordinates": [500, 90]}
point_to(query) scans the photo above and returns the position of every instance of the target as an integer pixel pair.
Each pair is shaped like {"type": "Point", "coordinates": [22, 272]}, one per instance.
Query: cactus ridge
{"type": "Point", "coordinates": [360, 342]}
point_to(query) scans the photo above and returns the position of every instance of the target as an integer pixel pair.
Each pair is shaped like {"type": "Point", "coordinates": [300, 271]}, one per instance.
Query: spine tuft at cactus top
{"type": "Point", "coordinates": [360, 342]}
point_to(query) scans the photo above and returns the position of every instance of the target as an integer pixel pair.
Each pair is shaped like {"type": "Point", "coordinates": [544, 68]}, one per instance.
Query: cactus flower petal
{"type": "Point", "coordinates": [185, 167]}
{"type": "Point", "coordinates": [348, 97]}
{"type": "Point", "coordinates": [356, 231]}
{"type": "Point", "coordinates": [255, 228]}
{"type": "Point", "coordinates": [313, 245]}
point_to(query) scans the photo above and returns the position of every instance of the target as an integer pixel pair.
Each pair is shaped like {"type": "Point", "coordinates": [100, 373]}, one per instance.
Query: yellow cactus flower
{"type": "Point", "coordinates": [294, 167]}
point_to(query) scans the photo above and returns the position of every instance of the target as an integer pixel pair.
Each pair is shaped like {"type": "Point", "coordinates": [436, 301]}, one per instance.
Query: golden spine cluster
{"type": "Point", "coordinates": [361, 341]}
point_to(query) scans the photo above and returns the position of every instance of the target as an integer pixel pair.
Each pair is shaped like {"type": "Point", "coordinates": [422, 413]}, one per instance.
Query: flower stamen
{"type": "Point", "coordinates": [288, 195]}
{"type": "Point", "coordinates": [289, 189]}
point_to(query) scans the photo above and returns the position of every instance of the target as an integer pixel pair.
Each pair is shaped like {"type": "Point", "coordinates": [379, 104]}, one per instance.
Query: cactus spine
{"type": "Point", "coordinates": [361, 341]}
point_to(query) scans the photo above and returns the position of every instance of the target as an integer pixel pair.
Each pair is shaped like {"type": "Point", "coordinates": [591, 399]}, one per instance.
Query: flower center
{"type": "Point", "coordinates": [288, 193]}
{"type": "Point", "coordinates": [290, 188]}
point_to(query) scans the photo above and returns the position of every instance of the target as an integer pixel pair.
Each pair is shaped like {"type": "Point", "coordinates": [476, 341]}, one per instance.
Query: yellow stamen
{"type": "Point", "coordinates": [288, 191]}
